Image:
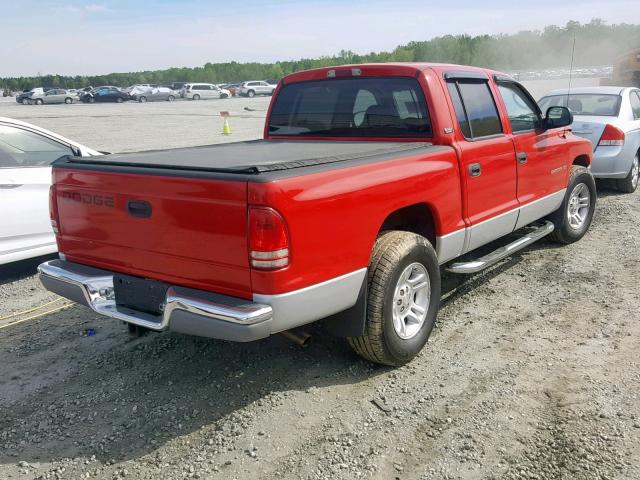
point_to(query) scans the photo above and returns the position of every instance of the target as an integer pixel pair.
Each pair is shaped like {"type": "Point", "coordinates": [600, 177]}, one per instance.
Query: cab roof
{"type": "Point", "coordinates": [410, 69]}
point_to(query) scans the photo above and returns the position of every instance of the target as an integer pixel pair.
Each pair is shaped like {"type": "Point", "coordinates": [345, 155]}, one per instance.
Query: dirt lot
{"type": "Point", "coordinates": [532, 371]}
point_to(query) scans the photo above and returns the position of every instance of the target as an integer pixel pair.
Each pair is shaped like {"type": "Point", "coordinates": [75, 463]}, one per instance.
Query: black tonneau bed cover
{"type": "Point", "coordinates": [256, 156]}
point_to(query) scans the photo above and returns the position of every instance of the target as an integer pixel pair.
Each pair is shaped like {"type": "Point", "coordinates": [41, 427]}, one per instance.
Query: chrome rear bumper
{"type": "Point", "coordinates": [186, 310]}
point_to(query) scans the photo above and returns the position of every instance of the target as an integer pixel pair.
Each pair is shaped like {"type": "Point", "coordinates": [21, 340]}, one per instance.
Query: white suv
{"type": "Point", "coordinates": [251, 89]}
{"type": "Point", "coordinates": [197, 91]}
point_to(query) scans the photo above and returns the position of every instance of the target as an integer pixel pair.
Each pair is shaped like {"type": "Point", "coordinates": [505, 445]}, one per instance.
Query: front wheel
{"type": "Point", "coordinates": [630, 183]}
{"type": "Point", "coordinates": [196, 97]}
{"type": "Point", "coordinates": [119, 100]}
{"type": "Point", "coordinates": [403, 299]}
{"type": "Point", "coordinates": [171, 98]}
{"type": "Point", "coordinates": [251, 94]}
{"type": "Point", "coordinates": [68, 100]}
{"type": "Point", "coordinates": [573, 218]}
{"type": "Point", "coordinates": [142, 99]}
{"type": "Point", "coordinates": [39, 101]}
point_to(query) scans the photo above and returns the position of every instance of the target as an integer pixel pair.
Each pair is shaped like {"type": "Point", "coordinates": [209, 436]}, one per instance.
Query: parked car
{"type": "Point", "coordinates": [57, 95]}
{"type": "Point", "coordinates": [24, 96]}
{"type": "Point", "coordinates": [197, 91]}
{"type": "Point", "coordinates": [368, 179]}
{"type": "Point", "coordinates": [251, 89]}
{"type": "Point", "coordinates": [610, 118]}
{"type": "Point", "coordinates": [145, 86]}
{"type": "Point", "coordinates": [26, 154]}
{"type": "Point", "coordinates": [158, 94]}
{"type": "Point", "coordinates": [234, 88]}
{"type": "Point", "coordinates": [105, 94]}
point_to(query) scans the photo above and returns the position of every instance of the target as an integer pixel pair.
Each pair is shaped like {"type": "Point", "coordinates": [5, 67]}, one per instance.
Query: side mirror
{"type": "Point", "coordinates": [558, 117]}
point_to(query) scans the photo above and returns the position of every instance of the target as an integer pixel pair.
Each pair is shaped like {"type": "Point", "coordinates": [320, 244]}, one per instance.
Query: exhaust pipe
{"type": "Point", "coordinates": [298, 337]}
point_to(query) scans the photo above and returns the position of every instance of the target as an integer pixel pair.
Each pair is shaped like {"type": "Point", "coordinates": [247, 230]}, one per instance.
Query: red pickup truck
{"type": "Point", "coordinates": [369, 180]}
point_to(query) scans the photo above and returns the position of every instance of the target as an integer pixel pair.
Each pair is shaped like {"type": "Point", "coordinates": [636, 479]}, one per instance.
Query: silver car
{"type": "Point", "coordinates": [57, 95]}
{"type": "Point", "coordinates": [610, 118]}
{"type": "Point", "coordinates": [155, 94]}
{"type": "Point", "coordinates": [251, 89]}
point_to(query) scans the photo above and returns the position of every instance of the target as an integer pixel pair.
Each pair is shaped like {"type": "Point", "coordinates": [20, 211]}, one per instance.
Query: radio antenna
{"type": "Point", "coordinates": [573, 51]}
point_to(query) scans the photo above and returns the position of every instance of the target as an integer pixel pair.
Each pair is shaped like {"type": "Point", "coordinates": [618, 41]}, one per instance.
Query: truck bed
{"type": "Point", "coordinates": [252, 157]}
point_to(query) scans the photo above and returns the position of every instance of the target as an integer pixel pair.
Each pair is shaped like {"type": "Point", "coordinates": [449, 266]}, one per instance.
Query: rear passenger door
{"type": "Point", "coordinates": [488, 162]}
{"type": "Point", "coordinates": [541, 154]}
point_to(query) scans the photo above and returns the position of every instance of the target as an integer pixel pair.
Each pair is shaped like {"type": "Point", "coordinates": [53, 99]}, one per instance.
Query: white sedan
{"type": "Point", "coordinates": [26, 154]}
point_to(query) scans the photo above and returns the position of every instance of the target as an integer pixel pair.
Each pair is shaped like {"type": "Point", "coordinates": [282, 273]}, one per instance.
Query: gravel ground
{"type": "Point", "coordinates": [531, 373]}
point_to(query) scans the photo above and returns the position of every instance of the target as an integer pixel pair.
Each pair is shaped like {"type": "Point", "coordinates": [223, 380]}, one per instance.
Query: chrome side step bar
{"type": "Point", "coordinates": [502, 252]}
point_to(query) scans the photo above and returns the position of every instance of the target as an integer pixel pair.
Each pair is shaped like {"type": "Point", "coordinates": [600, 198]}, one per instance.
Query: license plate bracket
{"type": "Point", "coordinates": [140, 293]}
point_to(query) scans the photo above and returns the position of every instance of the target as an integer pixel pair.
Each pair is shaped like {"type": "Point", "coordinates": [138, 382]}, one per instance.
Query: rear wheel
{"type": "Point", "coordinates": [251, 94]}
{"type": "Point", "coordinates": [142, 99]}
{"type": "Point", "coordinates": [39, 101]}
{"type": "Point", "coordinates": [119, 100]}
{"type": "Point", "coordinates": [25, 101]}
{"type": "Point", "coordinates": [630, 183]}
{"type": "Point", "coordinates": [403, 299]}
{"type": "Point", "coordinates": [573, 218]}
{"type": "Point", "coordinates": [92, 99]}
{"type": "Point", "coordinates": [196, 97]}
{"type": "Point", "coordinates": [171, 98]}
{"type": "Point", "coordinates": [68, 100]}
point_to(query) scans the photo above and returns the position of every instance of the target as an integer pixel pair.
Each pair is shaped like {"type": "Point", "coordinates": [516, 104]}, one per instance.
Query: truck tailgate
{"type": "Point", "coordinates": [185, 231]}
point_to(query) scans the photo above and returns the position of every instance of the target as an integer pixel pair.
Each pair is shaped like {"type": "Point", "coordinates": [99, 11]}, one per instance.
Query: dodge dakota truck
{"type": "Point", "coordinates": [369, 182]}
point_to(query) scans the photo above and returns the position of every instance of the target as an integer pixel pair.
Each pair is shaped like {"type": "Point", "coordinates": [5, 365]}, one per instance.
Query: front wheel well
{"type": "Point", "coordinates": [582, 160]}
{"type": "Point", "coordinates": [416, 218]}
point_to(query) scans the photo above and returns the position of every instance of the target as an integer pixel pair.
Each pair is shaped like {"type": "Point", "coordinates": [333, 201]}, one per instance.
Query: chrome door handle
{"type": "Point", "coordinates": [522, 157]}
{"type": "Point", "coordinates": [475, 170]}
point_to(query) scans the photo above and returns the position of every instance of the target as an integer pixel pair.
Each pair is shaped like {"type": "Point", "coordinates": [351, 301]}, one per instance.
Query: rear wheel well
{"type": "Point", "coordinates": [582, 160]}
{"type": "Point", "coordinates": [416, 218]}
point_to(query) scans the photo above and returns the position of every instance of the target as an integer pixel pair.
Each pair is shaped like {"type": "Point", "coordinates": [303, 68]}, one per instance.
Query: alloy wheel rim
{"type": "Point", "coordinates": [411, 299]}
{"type": "Point", "coordinates": [635, 170]}
{"type": "Point", "coordinates": [579, 204]}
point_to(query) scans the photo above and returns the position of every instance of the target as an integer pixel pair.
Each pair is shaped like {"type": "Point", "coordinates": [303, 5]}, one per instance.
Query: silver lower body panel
{"type": "Point", "coordinates": [203, 313]}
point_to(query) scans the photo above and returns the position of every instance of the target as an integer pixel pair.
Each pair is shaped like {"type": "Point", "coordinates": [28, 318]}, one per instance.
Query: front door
{"type": "Point", "coordinates": [541, 155]}
{"type": "Point", "coordinates": [487, 161]}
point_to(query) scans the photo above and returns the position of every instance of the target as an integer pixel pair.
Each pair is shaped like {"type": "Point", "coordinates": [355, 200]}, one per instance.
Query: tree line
{"type": "Point", "coordinates": [596, 43]}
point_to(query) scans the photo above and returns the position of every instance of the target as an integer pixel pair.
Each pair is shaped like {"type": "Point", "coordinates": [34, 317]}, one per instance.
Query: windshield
{"type": "Point", "coordinates": [594, 104]}
{"type": "Point", "coordinates": [388, 107]}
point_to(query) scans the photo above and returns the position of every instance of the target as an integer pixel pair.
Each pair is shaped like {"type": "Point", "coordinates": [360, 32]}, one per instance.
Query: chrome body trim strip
{"type": "Point", "coordinates": [315, 302]}
{"type": "Point", "coordinates": [502, 252]}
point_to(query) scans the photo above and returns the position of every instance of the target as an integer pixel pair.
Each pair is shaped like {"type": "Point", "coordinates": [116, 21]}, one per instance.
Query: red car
{"type": "Point", "coordinates": [368, 180]}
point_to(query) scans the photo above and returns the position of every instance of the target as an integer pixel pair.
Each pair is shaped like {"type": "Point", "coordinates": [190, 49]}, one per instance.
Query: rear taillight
{"type": "Point", "coordinates": [268, 239]}
{"type": "Point", "coordinates": [611, 136]}
{"type": "Point", "coordinates": [53, 210]}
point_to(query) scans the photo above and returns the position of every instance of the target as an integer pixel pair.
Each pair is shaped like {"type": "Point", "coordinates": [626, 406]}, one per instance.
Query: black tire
{"type": "Point", "coordinates": [68, 100]}
{"type": "Point", "coordinates": [630, 183]}
{"type": "Point", "coordinates": [196, 97]}
{"type": "Point", "coordinates": [171, 98]}
{"type": "Point", "coordinates": [142, 99]}
{"type": "Point", "coordinates": [39, 101]}
{"type": "Point", "coordinates": [251, 94]}
{"type": "Point", "coordinates": [25, 101]}
{"type": "Point", "coordinates": [119, 100]}
{"type": "Point", "coordinates": [92, 99]}
{"type": "Point", "coordinates": [564, 232]}
{"type": "Point", "coordinates": [394, 252]}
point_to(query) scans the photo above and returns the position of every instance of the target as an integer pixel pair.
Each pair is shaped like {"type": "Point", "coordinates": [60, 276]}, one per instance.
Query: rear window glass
{"type": "Point", "coordinates": [353, 107]}
{"type": "Point", "coordinates": [594, 104]}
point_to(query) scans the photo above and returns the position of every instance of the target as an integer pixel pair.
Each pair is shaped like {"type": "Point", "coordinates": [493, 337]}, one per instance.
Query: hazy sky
{"type": "Point", "coordinates": [102, 36]}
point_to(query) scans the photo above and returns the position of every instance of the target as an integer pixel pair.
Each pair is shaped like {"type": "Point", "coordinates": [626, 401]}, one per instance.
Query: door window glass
{"type": "Point", "coordinates": [522, 115]}
{"type": "Point", "coordinates": [22, 148]}
{"type": "Point", "coordinates": [481, 110]}
{"type": "Point", "coordinates": [635, 104]}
